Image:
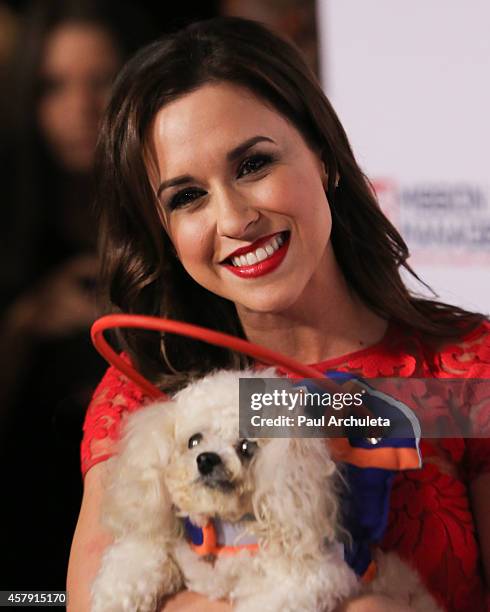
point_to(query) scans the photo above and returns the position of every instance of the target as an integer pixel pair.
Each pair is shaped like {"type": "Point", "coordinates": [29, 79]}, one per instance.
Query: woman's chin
{"type": "Point", "coordinates": [272, 303]}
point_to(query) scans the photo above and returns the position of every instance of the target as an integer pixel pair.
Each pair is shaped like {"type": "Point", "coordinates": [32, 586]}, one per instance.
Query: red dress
{"type": "Point", "coordinates": [430, 524]}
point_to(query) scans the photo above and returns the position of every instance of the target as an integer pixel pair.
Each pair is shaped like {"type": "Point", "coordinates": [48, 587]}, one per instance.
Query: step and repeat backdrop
{"type": "Point", "coordinates": [411, 84]}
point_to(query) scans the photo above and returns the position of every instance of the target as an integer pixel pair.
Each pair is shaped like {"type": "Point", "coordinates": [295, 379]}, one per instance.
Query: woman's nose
{"type": "Point", "coordinates": [234, 214]}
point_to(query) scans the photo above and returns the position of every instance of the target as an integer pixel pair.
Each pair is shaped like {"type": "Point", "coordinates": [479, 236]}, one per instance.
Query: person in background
{"type": "Point", "coordinates": [69, 52]}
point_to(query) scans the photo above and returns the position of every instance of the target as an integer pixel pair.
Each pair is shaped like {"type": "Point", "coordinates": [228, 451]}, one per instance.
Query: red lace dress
{"type": "Point", "coordinates": [430, 524]}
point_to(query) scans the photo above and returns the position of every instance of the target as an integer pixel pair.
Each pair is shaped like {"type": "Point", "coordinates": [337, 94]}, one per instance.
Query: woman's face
{"type": "Point", "coordinates": [77, 69]}
{"type": "Point", "coordinates": [242, 197]}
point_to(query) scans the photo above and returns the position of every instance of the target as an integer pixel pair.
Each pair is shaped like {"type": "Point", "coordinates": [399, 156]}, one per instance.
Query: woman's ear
{"type": "Point", "coordinates": [326, 175]}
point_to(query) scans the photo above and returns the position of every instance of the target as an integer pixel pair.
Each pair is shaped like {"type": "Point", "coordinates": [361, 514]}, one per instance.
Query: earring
{"type": "Point", "coordinates": [325, 185]}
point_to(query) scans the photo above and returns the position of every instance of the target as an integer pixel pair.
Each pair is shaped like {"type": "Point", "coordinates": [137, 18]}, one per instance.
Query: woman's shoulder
{"type": "Point", "coordinates": [405, 352]}
{"type": "Point", "coordinates": [113, 400]}
{"type": "Point", "coordinates": [467, 356]}
{"type": "Point", "coordinates": [416, 354]}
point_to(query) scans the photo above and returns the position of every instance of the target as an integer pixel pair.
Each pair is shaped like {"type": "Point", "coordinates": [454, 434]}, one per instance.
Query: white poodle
{"type": "Point", "coordinates": [181, 462]}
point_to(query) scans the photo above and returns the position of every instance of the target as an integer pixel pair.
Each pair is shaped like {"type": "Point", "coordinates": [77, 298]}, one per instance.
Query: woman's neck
{"type": "Point", "coordinates": [323, 324]}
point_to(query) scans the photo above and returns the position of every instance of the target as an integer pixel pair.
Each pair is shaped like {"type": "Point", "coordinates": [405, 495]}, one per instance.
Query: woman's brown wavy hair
{"type": "Point", "coordinates": [140, 273]}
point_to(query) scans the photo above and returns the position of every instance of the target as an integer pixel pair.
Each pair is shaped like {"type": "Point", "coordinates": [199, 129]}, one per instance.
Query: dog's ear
{"type": "Point", "coordinates": [136, 498]}
{"type": "Point", "coordinates": [295, 497]}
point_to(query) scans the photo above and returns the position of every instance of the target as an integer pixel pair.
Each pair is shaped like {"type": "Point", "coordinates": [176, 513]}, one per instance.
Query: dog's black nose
{"type": "Point", "coordinates": [206, 462]}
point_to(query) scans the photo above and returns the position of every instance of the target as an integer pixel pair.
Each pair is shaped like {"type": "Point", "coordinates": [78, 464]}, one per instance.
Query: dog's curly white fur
{"type": "Point", "coordinates": [288, 485]}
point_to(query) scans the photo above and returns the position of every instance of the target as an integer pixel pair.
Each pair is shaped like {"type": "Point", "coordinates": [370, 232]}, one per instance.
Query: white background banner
{"type": "Point", "coordinates": [411, 84]}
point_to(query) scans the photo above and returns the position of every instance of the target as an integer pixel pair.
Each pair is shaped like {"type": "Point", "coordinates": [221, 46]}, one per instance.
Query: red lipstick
{"type": "Point", "coordinates": [262, 267]}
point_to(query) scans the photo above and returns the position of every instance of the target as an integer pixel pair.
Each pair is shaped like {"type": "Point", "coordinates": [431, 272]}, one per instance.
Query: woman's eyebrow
{"type": "Point", "coordinates": [178, 180]}
{"type": "Point", "coordinates": [232, 155]}
{"type": "Point", "coordinates": [235, 153]}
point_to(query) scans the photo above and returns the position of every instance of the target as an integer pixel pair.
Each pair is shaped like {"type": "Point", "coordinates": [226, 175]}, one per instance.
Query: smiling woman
{"type": "Point", "coordinates": [229, 197]}
{"type": "Point", "coordinates": [179, 150]}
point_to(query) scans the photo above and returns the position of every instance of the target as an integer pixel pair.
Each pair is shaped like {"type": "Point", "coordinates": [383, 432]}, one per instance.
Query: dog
{"type": "Point", "coordinates": [274, 503]}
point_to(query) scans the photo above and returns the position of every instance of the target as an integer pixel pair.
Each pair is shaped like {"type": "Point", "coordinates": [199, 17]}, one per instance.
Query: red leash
{"type": "Point", "coordinates": [263, 354]}
{"type": "Point", "coordinates": [341, 449]}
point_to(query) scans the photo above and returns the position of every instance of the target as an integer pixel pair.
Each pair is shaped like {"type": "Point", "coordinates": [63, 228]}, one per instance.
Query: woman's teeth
{"type": "Point", "coordinates": [259, 254]}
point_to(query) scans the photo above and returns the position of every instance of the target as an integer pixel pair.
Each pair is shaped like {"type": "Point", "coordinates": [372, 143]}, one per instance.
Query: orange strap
{"type": "Point", "coordinates": [210, 546]}
{"type": "Point", "coordinates": [370, 574]}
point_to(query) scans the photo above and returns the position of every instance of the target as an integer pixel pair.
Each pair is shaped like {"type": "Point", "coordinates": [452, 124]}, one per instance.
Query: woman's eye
{"type": "Point", "coordinates": [194, 440]}
{"type": "Point", "coordinates": [254, 164]}
{"type": "Point", "coordinates": [246, 448]}
{"type": "Point", "coordinates": [186, 196]}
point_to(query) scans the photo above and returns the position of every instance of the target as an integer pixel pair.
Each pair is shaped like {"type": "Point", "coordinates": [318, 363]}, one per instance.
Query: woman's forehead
{"type": "Point", "coordinates": [212, 120]}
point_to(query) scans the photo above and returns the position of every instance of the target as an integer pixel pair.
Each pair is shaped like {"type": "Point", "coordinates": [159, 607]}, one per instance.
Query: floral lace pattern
{"type": "Point", "coordinates": [114, 399]}
{"type": "Point", "coordinates": [430, 524]}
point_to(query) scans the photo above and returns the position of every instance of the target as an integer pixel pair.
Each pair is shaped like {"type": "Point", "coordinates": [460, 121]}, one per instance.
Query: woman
{"type": "Point", "coordinates": [68, 54]}
{"type": "Point", "coordinates": [229, 197]}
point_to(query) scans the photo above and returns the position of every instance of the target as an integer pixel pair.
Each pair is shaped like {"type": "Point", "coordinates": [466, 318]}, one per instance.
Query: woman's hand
{"type": "Point", "coordinates": [63, 302]}
{"type": "Point", "coordinates": [192, 602]}
{"type": "Point", "coordinates": [186, 601]}
{"type": "Point", "coordinates": [373, 603]}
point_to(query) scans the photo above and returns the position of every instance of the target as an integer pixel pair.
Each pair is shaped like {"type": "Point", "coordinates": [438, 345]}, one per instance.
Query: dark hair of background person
{"type": "Point", "coordinates": [140, 273]}
{"type": "Point", "coordinates": [30, 204]}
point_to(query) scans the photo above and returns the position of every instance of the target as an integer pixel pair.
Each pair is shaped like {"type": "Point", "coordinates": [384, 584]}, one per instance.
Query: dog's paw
{"type": "Point", "coordinates": [125, 598]}
{"type": "Point", "coordinates": [126, 593]}
{"type": "Point", "coordinates": [133, 577]}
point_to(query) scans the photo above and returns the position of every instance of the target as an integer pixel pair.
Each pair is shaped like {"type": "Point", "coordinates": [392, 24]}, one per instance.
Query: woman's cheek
{"type": "Point", "coordinates": [285, 191]}
{"type": "Point", "coordinates": [192, 240]}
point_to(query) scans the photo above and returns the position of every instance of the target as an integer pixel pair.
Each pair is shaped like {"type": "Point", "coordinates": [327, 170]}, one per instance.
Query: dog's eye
{"type": "Point", "coordinates": [194, 440]}
{"type": "Point", "coordinates": [246, 448]}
